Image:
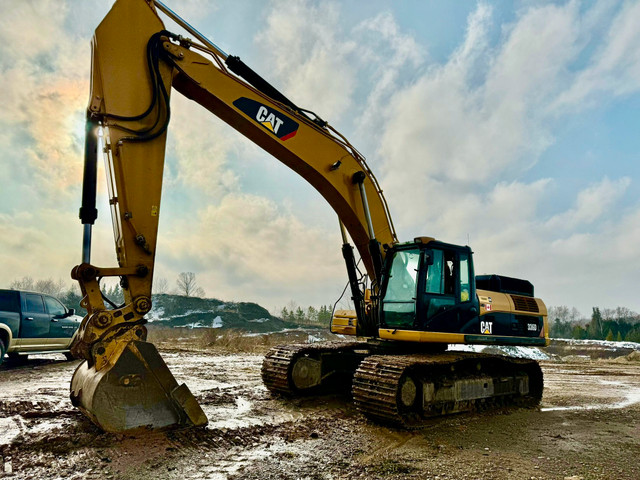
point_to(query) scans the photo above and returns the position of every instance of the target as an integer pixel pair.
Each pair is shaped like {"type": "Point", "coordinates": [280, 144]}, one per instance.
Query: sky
{"type": "Point", "coordinates": [511, 126]}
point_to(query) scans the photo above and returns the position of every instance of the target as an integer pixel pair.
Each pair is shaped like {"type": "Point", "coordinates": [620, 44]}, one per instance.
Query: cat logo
{"type": "Point", "coordinates": [486, 328]}
{"type": "Point", "coordinates": [268, 120]}
{"type": "Point", "coordinates": [275, 122]}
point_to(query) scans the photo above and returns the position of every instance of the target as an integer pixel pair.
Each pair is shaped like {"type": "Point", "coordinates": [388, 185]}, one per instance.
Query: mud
{"type": "Point", "coordinates": [588, 426]}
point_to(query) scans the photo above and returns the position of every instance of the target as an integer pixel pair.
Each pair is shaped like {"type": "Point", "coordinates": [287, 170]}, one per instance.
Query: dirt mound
{"type": "Point", "coordinates": [632, 357]}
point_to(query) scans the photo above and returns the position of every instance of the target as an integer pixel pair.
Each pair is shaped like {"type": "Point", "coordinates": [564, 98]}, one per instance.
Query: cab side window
{"type": "Point", "coordinates": [54, 306]}
{"type": "Point", "coordinates": [440, 283]}
{"type": "Point", "coordinates": [435, 277]}
{"type": "Point", "coordinates": [33, 303]}
{"type": "Point", "coordinates": [464, 278]}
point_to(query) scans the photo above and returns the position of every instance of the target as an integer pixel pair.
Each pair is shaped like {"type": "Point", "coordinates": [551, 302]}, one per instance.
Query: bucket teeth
{"type": "Point", "coordinates": [136, 391]}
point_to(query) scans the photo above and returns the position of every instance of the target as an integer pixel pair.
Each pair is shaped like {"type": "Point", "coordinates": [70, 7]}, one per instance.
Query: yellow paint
{"type": "Point", "coordinates": [421, 337]}
{"type": "Point", "coordinates": [344, 322]}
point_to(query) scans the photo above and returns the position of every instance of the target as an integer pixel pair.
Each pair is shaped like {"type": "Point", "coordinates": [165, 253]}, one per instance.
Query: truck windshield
{"type": "Point", "coordinates": [399, 304]}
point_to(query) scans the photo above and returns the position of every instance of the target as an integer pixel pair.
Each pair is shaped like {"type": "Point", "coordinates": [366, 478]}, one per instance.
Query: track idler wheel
{"type": "Point", "coordinates": [135, 391]}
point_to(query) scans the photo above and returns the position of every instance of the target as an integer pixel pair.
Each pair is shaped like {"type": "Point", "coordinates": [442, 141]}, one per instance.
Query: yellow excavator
{"type": "Point", "coordinates": [413, 300]}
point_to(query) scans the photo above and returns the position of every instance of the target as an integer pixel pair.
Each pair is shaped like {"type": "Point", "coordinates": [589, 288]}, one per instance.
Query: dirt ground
{"type": "Point", "coordinates": [588, 427]}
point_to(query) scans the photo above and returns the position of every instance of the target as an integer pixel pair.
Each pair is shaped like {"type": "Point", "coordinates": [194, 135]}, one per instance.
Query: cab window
{"type": "Point", "coordinates": [33, 303]}
{"type": "Point", "coordinates": [440, 283]}
{"type": "Point", "coordinates": [400, 295]}
{"type": "Point", "coordinates": [435, 277]}
{"type": "Point", "coordinates": [54, 306]}
{"type": "Point", "coordinates": [464, 278]}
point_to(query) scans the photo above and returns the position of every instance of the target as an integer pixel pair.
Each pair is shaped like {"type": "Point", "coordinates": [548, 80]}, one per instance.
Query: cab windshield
{"type": "Point", "coordinates": [399, 304]}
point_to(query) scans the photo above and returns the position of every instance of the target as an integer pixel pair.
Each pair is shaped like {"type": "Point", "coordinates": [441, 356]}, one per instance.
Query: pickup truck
{"type": "Point", "coordinates": [33, 322]}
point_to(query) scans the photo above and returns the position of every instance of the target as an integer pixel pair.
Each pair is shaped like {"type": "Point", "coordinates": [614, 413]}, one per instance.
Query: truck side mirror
{"type": "Point", "coordinates": [72, 311]}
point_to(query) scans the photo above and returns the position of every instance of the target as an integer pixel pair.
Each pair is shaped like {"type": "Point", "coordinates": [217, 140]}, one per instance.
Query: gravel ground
{"type": "Point", "coordinates": [588, 427]}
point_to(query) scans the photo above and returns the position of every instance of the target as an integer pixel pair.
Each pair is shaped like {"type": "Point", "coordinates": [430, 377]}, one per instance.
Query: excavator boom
{"type": "Point", "coordinates": [123, 383]}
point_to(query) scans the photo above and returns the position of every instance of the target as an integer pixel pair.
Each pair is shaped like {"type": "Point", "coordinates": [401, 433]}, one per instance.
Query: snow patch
{"type": "Point", "coordinates": [260, 320]}
{"type": "Point", "coordinates": [600, 343]}
{"type": "Point", "coordinates": [155, 314]}
{"type": "Point", "coordinates": [216, 322]}
{"type": "Point", "coordinates": [532, 353]}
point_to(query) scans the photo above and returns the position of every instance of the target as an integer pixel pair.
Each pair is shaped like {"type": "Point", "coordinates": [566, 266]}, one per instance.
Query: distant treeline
{"type": "Point", "coordinates": [614, 324]}
{"type": "Point", "coordinates": [307, 316]}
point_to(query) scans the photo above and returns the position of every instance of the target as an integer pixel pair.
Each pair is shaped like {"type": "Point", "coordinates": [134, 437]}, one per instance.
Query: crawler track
{"type": "Point", "coordinates": [403, 389]}
{"type": "Point", "coordinates": [406, 390]}
{"type": "Point", "coordinates": [278, 366]}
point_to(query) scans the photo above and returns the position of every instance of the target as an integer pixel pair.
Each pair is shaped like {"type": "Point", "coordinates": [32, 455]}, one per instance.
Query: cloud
{"type": "Point", "coordinates": [47, 243]}
{"type": "Point", "coordinates": [198, 150]}
{"type": "Point", "coordinates": [591, 204]}
{"type": "Point", "coordinates": [308, 59]}
{"type": "Point", "coordinates": [455, 146]}
{"type": "Point", "coordinates": [248, 247]}
{"type": "Point", "coordinates": [387, 55]}
{"type": "Point", "coordinates": [44, 75]}
{"type": "Point", "coordinates": [478, 115]}
{"type": "Point", "coordinates": [615, 68]}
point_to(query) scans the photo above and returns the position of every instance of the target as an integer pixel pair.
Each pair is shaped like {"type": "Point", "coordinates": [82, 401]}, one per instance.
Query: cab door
{"type": "Point", "coordinates": [448, 301]}
{"type": "Point", "coordinates": [34, 328]}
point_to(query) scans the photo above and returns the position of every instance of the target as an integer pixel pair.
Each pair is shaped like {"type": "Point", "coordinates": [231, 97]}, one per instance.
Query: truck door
{"type": "Point", "coordinates": [62, 327]}
{"type": "Point", "coordinates": [34, 328]}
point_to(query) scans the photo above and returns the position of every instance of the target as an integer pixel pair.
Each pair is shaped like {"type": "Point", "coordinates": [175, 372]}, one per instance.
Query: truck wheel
{"type": "Point", "coordinates": [69, 356]}
{"type": "Point", "coordinates": [3, 349]}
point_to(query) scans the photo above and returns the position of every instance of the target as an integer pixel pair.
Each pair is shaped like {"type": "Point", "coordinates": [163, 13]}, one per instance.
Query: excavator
{"type": "Point", "coordinates": [413, 300]}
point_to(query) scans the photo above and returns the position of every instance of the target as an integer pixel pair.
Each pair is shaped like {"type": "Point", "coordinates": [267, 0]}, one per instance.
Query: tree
{"type": "Point", "coordinates": [594, 329]}
{"type": "Point", "coordinates": [633, 336]}
{"type": "Point", "coordinates": [324, 315]}
{"type": "Point", "coordinates": [160, 286]}
{"type": "Point", "coordinates": [114, 293]}
{"type": "Point", "coordinates": [619, 337]}
{"type": "Point", "coordinates": [578, 332]}
{"type": "Point", "coordinates": [610, 336]}
{"type": "Point", "coordinates": [26, 283]}
{"type": "Point", "coordinates": [187, 285]}
{"type": "Point", "coordinates": [48, 286]}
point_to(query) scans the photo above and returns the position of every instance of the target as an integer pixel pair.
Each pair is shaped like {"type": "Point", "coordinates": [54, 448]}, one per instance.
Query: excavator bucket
{"type": "Point", "coordinates": [136, 391]}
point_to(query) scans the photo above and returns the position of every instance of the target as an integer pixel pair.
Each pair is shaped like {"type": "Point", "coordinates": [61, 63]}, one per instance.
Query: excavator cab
{"type": "Point", "coordinates": [429, 287]}
{"type": "Point", "coordinates": [429, 294]}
